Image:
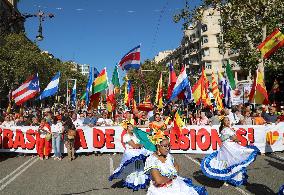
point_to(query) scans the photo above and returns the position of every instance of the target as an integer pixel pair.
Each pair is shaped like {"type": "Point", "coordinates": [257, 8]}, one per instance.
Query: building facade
{"type": "Point", "coordinates": [11, 19]}
{"type": "Point", "coordinates": [162, 55]}
{"type": "Point", "coordinates": [84, 69]}
{"type": "Point", "coordinates": [201, 46]}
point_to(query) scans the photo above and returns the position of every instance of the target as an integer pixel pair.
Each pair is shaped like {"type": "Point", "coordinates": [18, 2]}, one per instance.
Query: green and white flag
{"type": "Point", "coordinates": [230, 76]}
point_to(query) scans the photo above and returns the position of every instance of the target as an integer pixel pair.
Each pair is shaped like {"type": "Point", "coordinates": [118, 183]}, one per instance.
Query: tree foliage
{"type": "Point", "coordinates": [21, 58]}
{"type": "Point", "coordinates": [147, 79]}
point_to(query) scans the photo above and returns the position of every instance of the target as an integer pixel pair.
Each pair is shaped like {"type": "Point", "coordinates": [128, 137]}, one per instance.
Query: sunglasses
{"type": "Point", "coordinates": [166, 146]}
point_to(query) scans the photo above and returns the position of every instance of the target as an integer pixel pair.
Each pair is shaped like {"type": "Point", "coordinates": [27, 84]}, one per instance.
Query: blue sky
{"type": "Point", "coordinates": [100, 32]}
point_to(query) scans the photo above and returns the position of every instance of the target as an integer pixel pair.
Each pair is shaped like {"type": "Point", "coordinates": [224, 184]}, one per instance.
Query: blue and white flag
{"type": "Point", "coordinates": [73, 95]}
{"type": "Point", "coordinates": [89, 85]}
{"type": "Point", "coordinates": [51, 88]}
{"type": "Point", "coordinates": [182, 86]}
{"type": "Point", "coordinates": [93, 74]}
{"type": "Point", "coordinates": [226, 90]}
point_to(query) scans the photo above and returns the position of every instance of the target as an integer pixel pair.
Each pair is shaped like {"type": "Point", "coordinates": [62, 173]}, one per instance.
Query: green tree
{"type": "Point", "coordinates": [147, 79]}
{"type": "Point", "coordinates": [21, 58]}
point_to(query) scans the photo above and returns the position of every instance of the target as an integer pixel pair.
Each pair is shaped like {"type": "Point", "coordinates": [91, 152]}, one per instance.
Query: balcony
{"type": "Point", "coordinates": [233, 53]}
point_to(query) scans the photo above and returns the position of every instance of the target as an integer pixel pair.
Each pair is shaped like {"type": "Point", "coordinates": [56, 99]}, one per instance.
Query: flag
{"type": "Point", "coordinates": [258, 91]}
{"type": "Point", "coordinates": [274, 41]}
{"type": "Point", "coordinates": [27, 90]}
{"type": "Point", "coordinates": [100, 82]}
{"type": "Point", "coordinates": [226, 90]}
{"type": "Point", "coordinates": [94, 101]}
{"type": "Point", "coordinates": [216, 93]}
{"type": "Point", "coordinates": [182, 84]}
{"type": "Point", "coordinates": [172, 81]}
{"type": "Point", "coordinates": [89, 86]}
{"type": "Point", "coordinates": [93, 74]}
{"type": "Point", "coordinates": [275, 87]}
{"type": "Point", "coordinates": [159, 93]}
{"type": "Point", "coordinates": [178, 124]}
{"type": "Point", "coordinates": [129, 93]}
{"type": "Point", "coordinates": [200, 90]}
{"type": "Point", "coordinates": [51, 88]}
{"type": "Point", "coordinates": [230, 76]}
{"type": "Point", "coordinates": [111, 103]}
{"type": "Point", "coordinates": [73, 95]}
{"type": "Point", "coordinates": [115, 81]}
{"type": "Point", "coordinates": [134, 105]}
{"type": "Point", "coordinates": [131, 60]}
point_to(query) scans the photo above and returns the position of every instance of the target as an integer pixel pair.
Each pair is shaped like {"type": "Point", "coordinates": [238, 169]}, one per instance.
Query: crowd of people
{"type": "Point", "coordinates": [239, 115]}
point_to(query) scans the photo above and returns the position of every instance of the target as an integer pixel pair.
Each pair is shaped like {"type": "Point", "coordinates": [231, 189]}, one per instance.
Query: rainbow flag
{"type": "Point", "coordinates": [100, 82]}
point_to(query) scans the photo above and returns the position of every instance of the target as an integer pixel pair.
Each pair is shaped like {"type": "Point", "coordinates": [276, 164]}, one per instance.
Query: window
{"type": "Point", "coordinates": [205, 52]}
{"type": "Point", "coordinates": [204, 39]}
{"type": "Point", "coordinates": [208, 65]}
{"type": "Point", "coordinates": [224, 63]}
{"type": "Point", "coordinates": [221, 51]}
{"type": "Point", "coordinates": [204, 28]}
{"type": "Point", "coordinates": [192, 37]}
{"type": "Point", "coordinates": [219, 39]}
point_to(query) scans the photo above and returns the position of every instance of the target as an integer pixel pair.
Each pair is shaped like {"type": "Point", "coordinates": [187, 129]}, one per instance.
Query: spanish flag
{"type": "Point", "coordinates": [274, 41]}
{"type": "Point", "coordinates": [129, 93]}
{"type": "Point", "coordinates": [199, 90]}
{"type": "Point", "coordinates": [178, 124]}
{"type": "Point", "coordinates": [216, 93]}
{"type": "Point", "coordinates": [258, 91]}
{"type": "Point", "coordinates": [159, 94]}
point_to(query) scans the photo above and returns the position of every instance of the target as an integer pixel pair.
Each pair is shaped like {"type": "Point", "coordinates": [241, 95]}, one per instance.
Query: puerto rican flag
{"type": "Point", "coordinates": [131, 59]}
{"type": "Point", "coordinates": [27, 90]}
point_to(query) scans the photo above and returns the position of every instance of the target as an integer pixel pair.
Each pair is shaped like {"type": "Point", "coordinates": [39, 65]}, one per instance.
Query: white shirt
{"type": "Point", "coordinates": [127, 138]}
{"type": "Point", "coordinates": [234, 119]}
{"type": "Point", "coordinates": [226, 133]}
{"type": "Point", "coordinates": [57, 128]}
{"type": "Point", "coordinates": [77, 123]}
{"type": "Point", "coordinates": [105, 122]}
{"type": "Point", "coordinates": [8, 124]}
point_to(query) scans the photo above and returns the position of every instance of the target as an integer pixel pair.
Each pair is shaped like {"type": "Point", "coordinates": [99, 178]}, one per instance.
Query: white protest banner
{"type": "Point", "coordinates": [193, 139]}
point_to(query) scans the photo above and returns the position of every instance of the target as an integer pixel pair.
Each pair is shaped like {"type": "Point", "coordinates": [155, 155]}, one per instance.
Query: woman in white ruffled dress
{"type": "Point", "coordinates": [131, 169]}
{"type": "Point", "coordinates": [230, 162]}
{"type": "Point", "coordinates": [164, 174]}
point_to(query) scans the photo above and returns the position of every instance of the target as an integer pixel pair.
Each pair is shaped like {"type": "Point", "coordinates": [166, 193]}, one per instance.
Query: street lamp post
{"type": "Point", "coordinates": [41, 15]}
{"type": "Point", "coordinates": [67, 90]}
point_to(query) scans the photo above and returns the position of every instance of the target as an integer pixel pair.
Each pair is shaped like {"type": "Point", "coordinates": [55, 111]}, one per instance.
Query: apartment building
{"type": "Point", "coordinates": [162, 55]}
{"type": "Point", "coordinates": [84, 69]}
{"type": "Point", "coordinates": [201, 46]}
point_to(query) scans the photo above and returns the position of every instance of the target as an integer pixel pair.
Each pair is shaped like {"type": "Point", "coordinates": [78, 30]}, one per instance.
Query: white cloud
{"type": "Point", "coordinates": [131, 11]}
{"type": "Point", "coordinates": [79, 9]}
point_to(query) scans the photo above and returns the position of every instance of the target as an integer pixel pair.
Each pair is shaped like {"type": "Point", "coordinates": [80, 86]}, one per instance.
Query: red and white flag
{"type": "Point", "coordinates": [27, 90]}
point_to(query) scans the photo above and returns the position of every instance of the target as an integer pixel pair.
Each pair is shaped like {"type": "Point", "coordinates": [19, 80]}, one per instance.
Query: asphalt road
{"type": "Point", "coordinates": [89, 175]}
